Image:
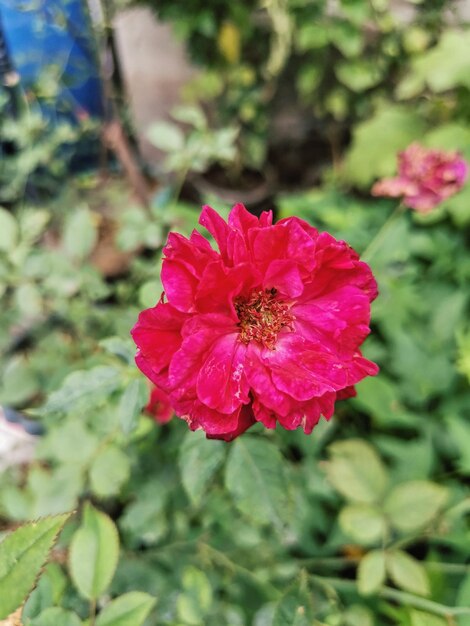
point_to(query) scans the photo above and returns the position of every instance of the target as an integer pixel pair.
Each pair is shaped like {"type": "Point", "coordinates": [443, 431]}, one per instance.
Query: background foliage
{"type": "Point", "coordinates": [366, 521]}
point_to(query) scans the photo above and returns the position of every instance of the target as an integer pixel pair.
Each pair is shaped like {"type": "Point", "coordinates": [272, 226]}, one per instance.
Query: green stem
{"type": "Point", "coordinates": [179, 184]}
{"type": "Point", "coordinates": [331, 562]}
{"type": "Point", "coordinates": [176, 545]}
{"type": "Point", "coordinates": [448, 568]}
{"type": "Point", "coordinates": [410, 539]}
{"type": "Point", "coordinates": [459, 509]}
{"type": "Point", "coordinates": [92, 612]}
{"type": "Point", "coordinates": [380, 236]}
{"type": "Point", "coordinates": [402, 597]}
{"type": "Point", "coordinates": [219, 557]}
{"type": "Point", "coordinates": [343, 562]}
{"type": "Point", "coordinates": [430, 606]}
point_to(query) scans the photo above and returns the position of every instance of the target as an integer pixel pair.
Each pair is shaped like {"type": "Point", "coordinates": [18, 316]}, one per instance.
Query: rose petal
{"type": "Point", "coordinates": [221, 382]}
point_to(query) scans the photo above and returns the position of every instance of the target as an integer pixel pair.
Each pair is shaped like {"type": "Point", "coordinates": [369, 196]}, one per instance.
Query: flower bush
{"type": "Point", "coordinates": [362, 523]}
{"type": "Point", "coordinates": [355, 524]}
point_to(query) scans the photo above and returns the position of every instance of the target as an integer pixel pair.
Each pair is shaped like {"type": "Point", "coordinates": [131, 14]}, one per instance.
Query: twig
{"type": "Point", "coordinates": [116, 140]}
{"type": "Point", "coordinates": [402, 597]}
{"type": "Point", "coordinates": [224, 561]}
{"type": "Point", "coordinates": [380, 236]}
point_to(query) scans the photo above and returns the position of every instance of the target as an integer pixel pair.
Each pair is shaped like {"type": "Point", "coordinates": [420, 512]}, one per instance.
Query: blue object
{"type": "Point", "coordinates": [52, 40]}
{"type": "Point", "coordinates": [30, 426]}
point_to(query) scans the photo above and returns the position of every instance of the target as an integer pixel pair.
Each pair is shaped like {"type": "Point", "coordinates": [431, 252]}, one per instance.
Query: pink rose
{"type": "Point", "coordinates": [425, 178]}
{"type": "Point", "coordinates": [268, 329]}
{"type": "Point", "coordinates": [159, 406]}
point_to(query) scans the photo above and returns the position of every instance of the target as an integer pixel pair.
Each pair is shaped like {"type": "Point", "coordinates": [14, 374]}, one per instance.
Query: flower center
{"type": "Point", "coordinates": [262, 317]}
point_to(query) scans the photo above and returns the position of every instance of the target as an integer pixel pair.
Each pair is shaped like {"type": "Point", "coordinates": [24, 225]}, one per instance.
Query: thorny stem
{"type": "Point", "coordinates": [176, 545]}
{"type": "Point", "coordinates": [344, 562]}
{"type": "Point", "coordinates": [330, 562]}
{"type": "Point", "coordinates": [380, 236]}
{"type": "Point", "coordinates": [402, 597]}
{"type": "Point", "coordinates": [335, 585]}
{"type": "Point", "coordinates": [221, 559]}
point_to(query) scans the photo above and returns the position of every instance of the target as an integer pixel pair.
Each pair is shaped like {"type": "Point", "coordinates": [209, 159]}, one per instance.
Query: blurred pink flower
{"type": "Point", "coordinates": [268, 329]}
{"type": "Point", "coordinates": [425, 178]}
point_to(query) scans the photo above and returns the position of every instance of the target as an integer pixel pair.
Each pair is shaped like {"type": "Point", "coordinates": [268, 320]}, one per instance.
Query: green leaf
{"type": "Point", "coordinates": [33, 223]}
{"type": "Point", "coordinates": [149, 293]}
{"type": "Point", "coordinates": [137, 230]}
{"type": "Point", "coordinates": [447, 315]}
{"type": "Point", "coordinates": [377, 141]}
{"type": "Point", "coordinates": [424, 370]}
{"type": "Point", "coordinates": [80, 234]}
{"type": "Point", "coordinates": [133, 400]}
{"type": "Point", "coordinates": [311, 36]}
{"type": "Point", "coordinates": [452, 136]}
{"type": "Point", "coordinates": [19, 382]}
{"type": "Point", "coordinates": [199, 459]}
{"type": "Point", "coordinates": [70, 442]}
{"type": "Point", "coordinates": [131, 609]}
{"type": "Point", "coordinates": [109, 471]}
{"type": "Point", "coordinates": [295, 607]}
{"type": "Point", "coordinates": [8, 231]}
{"type": "Point", "coordinates": [120, 347]}
{"type": "Point", "coordinates": [55, 616]}
{"type": "Point", "coordinates": [412, 505]}
{"type": "Point", "coordinates": [416, 39]}
{"type": "Point", "coordinates": [132, 229]}
{"type": "Point", "coordinates": [459, 207]}
{"type": "Point", "coordinates": [145, 519]}
{"type": "Point", "coordinates": [256, 480]}
{"type": "Point", "coordinates": [420, 618]}
{"type": "Point", "coordinates": [28, 300]}
{"type": "Point", "coordinates": [308, 79]}
{"type": "Point", "coordinates": [378, 396]}
{"type": "Point", "coordinates": [346, 37]}
{"type": "Point", "coordinates": [54, 491]}
{"type": "Point", "coordinates": [22, 554]}
{"type": "Point", "coordinates": [410, 459]}
{"type": "Point", "coordinates": [48, 592]}
{"type": "Point", "coordinates": [407, 573]}
{"type": "Point", "coordinates": [166, 136]}
{"type": "Point", "coordinates": [459, 431]}
{"type": "Point", "coordinates": [337, 103]}
{"type": "Point", "coordinates": [409, 87]}
{"type": "Point", "coordinates": [195, 602]}
{"type": "Point", "coordinates": [358, 615]}
{"type": "Point", "coordinates": [359, 75]}
{"type": "Point", "coordinates": [365, 524]}
{"type": "Point", "coordinates": [446, 65]}
{"type": "Point", "coordinates": [371, 572]}
{"type": "Point", "coordinates": [356, 471]}
{"type": "Point", "coordinates": [190, 114]}
{"type": "Point", "coordinates": [94, 553]}
{"type": "Point", "coordinates": [463, 599]}
{"type": "Point", "coordinates": [80, 390]}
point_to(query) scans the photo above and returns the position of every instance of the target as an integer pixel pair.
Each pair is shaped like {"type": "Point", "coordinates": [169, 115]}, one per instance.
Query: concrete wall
{"type": "Point", "coordinates": [154, 68]}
